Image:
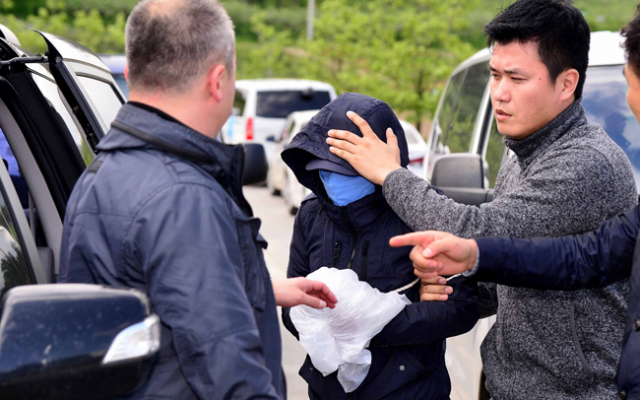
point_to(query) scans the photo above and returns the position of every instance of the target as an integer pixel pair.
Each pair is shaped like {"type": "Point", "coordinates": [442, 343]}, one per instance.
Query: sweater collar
{"type": "Point", "coordinates": [529, 148]}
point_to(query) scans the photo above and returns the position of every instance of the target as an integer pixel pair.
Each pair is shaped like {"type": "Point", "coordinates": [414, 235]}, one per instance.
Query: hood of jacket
{"type": "Point", "coordinates": [311, 143]}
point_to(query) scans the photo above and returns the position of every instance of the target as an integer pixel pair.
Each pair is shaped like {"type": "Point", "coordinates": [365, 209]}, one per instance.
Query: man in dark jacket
{"type": "Point", "coordinates": [566, 176]}
{"type": "Point", "coordinates": [591, 260]}
{"type": "Point", "coordinates": [161, 209]}
{"type": "Point", "coordinates": [346, 224]}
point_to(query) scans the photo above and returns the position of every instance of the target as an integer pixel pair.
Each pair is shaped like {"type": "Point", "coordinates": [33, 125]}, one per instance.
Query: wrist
{"type": "Point", "coordinates": [473, 257]}
{"type": "Point", "coordinates": [383, 176]}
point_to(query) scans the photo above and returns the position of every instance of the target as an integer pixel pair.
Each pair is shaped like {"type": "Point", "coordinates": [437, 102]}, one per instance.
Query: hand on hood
{"type": "Point", "coordinates": [370, 156]}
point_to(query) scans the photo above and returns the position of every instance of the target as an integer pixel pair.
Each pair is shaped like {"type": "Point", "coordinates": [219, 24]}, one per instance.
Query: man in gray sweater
{"type": "Point", "coordinates": [566, 176]}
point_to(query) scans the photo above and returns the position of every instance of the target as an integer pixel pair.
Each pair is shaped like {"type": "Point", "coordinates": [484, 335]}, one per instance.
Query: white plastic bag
{"type": "Point", "coordinates": [336, 339]}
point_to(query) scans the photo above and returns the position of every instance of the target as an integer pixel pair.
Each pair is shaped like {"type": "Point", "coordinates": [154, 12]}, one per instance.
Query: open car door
{"type": "Point", "coordinates": [86, 84]}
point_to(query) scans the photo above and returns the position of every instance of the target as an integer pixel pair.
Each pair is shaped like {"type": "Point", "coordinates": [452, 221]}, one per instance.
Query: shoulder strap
{"type": "Point", "coordinates": [159, 143]}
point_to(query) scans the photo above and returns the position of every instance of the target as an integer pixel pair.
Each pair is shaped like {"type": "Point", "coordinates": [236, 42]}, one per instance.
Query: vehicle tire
{"type": "Point", "coordinates": [293, 210]}
{"type": "Point", "coordinates": [270, 185]}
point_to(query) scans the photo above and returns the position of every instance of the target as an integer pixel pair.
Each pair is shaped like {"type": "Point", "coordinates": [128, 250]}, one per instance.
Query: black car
{"type": "Point", "coordinates": [61, 341]}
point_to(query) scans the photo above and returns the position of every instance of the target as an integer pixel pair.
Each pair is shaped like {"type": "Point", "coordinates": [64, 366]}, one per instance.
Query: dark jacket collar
{"type": "Point", "coordinates": [529, 148]}
{"type": "Point", "coordinates": [227, 161]}
{"type": "Point", "coordinates": [360, 214]}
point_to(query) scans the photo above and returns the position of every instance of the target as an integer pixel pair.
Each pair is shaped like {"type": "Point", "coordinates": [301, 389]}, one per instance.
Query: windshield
{"type": "Point", "coordinates": [281, 103]}
{"type": "Point", "coordinates": [604, 99]}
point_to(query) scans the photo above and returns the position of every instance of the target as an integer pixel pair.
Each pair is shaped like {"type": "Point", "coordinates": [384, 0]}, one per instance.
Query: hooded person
{"type": "Point", "coordinates": [346, 224]}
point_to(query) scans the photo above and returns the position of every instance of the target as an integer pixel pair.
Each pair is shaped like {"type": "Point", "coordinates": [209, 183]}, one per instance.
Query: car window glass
{"type": "Point", "coordinates": [104, 98]}
{"type": "Point", "coordinates": [449, 102]}
{"type": "Point", "coordinates": [50, 91]}
{"type": "Point", "coordinates": [14, 270]}
{"type": "Point", "coordinates": [457, 136]}
{"type": "Point", "coordinates": [286, 132]}
{"type": "Point", "coordinates": [238, 102]}
{"type": "Point", "coordinates": [292, 129]}
{"type": "Point", "coordinates": [412, 136]}
{"type": "Point", "coordinates": [122, 84]}
{"type": "Point", "coordinates": [280, 103]}
{"type": "Point", "coordinates": [494, 153]}
{"type": "Point", "coordinates": [604, 100]}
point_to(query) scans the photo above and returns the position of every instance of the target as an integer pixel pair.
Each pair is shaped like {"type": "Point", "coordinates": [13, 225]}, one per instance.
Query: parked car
{"type": "Point", "coordinates": [417, 148]}
{"type": "Point", "coordinates": [116, 63]}
{"type": "Point", "coordinates": [55, 340]}
{"type": "Point", "coordinates": [262, 105]}
{"type": "Point", "coordinates": [280, 179]}
{"type": "Point", "coordinates": [465, 152]}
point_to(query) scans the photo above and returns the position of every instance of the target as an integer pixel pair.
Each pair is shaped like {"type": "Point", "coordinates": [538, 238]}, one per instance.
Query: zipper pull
{"type": "Point", "coordinates": [336, 254]}
{"type": "Point", "coordinates": [365, 251]}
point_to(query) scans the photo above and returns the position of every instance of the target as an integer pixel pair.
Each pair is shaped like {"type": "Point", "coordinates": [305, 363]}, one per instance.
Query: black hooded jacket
{"type": "Point", "coordinates": [408, 355]}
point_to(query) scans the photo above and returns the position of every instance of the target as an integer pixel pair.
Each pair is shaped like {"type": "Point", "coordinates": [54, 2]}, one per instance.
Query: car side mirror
{"type": "Point", "coordinates": [461, 176]}
{"type": "Point", "coordinates": [255, 164]}
{"type": "Point", "coordinates": [75, 341]}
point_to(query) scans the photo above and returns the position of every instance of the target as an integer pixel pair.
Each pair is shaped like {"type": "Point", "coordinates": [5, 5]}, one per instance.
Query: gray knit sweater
{"type": "Point", "coordinates": [566, 178]}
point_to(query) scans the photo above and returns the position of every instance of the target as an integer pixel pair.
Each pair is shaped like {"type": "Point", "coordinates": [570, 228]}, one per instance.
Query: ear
{"type": "Point", "coordinates": [568, 81]}
{"type": "Point", "coordinates": [126, 72]}
{"type": "Point", "coordinates": [216, 79]}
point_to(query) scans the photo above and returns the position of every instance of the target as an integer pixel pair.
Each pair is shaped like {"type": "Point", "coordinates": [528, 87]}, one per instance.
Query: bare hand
{"type": "Point", "coordinates": [438, 253]}
{"type": "Point", "coordinates": [296, 291]}
{"type": "Point", "coordinates": [434, 289]}
{"type": "Point", "coordinates": [370, 156]}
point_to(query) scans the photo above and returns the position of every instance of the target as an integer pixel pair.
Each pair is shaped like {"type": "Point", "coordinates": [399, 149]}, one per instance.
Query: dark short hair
{"type": "Point", "coordinates": [562, 34]}
{"type": "Point", "coordinates": [632, 43]}
{"type": "Point", "coordinates": [170, 44]}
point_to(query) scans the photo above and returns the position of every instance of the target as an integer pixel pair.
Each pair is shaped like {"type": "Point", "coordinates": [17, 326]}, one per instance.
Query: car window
{"type": "Point", "coordinates": [411, 133]}
{"type": "Point", "coordinates": [457, 136]}
{"type": "Point", "coordinates": [239, 101]}
{"type": "Point", "coordinates": [51, 92]}
{"type": "Point", "coordinates": [104, 98]}
{"type": "Point", "coordinates": [288, 128]}
{"type": "Point", "coordinates": [13, 265]}
{"type": "Point", "coordinates": [494, 153]}
{"type": "Point", "coordinates": [604, 100]}
{"type": "Point", "coordinates": [449, 102]}
{"type": "Point", "coordinates": [280, 103]}
{"type": "Point", "coordinates": [122, 84]}
{"type": "Point", "coordinates": [292, 129]}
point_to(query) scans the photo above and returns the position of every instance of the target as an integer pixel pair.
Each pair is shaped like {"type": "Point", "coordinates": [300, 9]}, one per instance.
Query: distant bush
{"type": "Point", "coordinates": [107, 8]}
{"type": "Point", "coordinates": [292, 19]}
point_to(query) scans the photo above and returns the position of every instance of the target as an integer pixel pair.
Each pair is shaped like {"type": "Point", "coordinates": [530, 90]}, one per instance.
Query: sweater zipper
{"type": "Point", "coordinates": [365, 250]}
{"type": "Point", "coordinates": [336, 254]}
{"type": "Point", "coordinates": [354, 235]}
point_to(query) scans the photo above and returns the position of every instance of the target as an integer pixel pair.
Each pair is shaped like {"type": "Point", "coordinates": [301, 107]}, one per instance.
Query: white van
{"type": "Point", "coordinates": [464, 132]}
{"type": "Point", "coordinates": [262, 105]}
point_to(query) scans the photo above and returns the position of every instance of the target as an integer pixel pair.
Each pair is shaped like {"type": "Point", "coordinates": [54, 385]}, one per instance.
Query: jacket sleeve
{"type": "Point", "coordinates": [427, 321]}
{"type": "Point", "coordinates": [544, 203]}
{"type": "Point", "coordinates": [298, 263]}
{"type": "Point", "coordinates": [594, 259]}
{"type": "Point", "coordinates": [196, 267]}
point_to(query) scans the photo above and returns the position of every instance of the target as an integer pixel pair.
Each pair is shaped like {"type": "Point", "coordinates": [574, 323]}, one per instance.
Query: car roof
{"type": "Point", "coordinates": [282, 84]}
{"type": "Point", "coordinates": [606, 49]}
{"type": "Point", "coordinates": [115, 62]}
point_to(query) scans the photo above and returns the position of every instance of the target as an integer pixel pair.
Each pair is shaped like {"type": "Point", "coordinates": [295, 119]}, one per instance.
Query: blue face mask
{"type": "Point", "coordinates": [343, 189]}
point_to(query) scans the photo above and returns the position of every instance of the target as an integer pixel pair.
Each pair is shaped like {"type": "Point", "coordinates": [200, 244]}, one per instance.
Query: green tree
{"type": "Point", "coordinates": [400, 51]}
